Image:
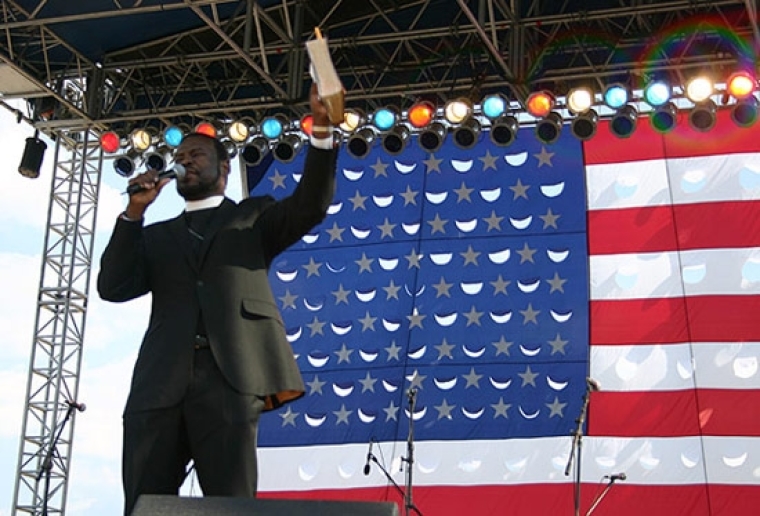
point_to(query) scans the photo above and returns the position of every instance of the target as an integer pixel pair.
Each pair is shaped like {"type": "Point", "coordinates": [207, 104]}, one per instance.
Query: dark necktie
{"type": "Point", "coordinates": [197, 223]}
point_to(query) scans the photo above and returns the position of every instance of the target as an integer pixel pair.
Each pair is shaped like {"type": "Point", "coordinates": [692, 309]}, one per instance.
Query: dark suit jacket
{"type": "Point", "coordinates": [229, 284]}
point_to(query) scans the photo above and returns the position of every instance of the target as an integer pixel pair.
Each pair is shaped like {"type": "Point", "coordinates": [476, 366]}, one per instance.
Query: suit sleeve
{"type": "Point", "coordinates": [284, 222]}
{"type": "Point", "coordinates": [122, 273]}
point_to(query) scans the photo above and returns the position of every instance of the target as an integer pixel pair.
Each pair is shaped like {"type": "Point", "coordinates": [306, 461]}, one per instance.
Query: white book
{"type": "Point", "coordinates": [324, 74]}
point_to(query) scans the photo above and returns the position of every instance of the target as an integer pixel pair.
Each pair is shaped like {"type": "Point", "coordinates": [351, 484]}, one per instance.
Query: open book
{"type": "Point", "coordinates": [324, 74]}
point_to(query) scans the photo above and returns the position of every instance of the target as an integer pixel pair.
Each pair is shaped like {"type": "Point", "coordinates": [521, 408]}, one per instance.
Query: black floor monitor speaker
{"type": "Point", "coordinates": [164, 505]}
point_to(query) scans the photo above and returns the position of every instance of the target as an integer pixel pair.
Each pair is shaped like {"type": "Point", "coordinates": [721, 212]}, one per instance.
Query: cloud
{"type": "Point", "coordinates": [19, 276]}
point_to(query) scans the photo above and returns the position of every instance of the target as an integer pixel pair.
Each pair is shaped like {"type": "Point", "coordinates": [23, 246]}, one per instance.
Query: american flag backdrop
{"type": "Point", "coordinates": [492, 282]}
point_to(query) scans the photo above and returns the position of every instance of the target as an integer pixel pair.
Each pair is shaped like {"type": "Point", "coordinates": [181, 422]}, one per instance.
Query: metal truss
{"type": "Point", "coordinates": [246, 57]}
{"type": "Point", "coordinates": [59, 328]}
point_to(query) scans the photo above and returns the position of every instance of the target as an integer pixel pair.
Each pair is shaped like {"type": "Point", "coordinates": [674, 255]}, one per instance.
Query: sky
{"type": "Point", "coordinates": [112, 332]}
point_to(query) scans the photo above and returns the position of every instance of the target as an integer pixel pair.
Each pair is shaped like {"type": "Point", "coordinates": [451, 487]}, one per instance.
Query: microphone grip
{"type": "Point", "coordinates": [366, 468]}
{"type": "Point", "coordinates": [177, 171]}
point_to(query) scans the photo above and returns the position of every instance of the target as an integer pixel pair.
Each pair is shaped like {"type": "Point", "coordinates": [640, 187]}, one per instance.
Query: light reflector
{"type": "Point", "coordinates": [206, 128]}
{"type": "Point", "coordinates": [384, 119]}
{"type": "Point", "coordinates": [657, 93]}
{"type": "Point", "coordinates": [580, 100]}
{"type": "Point", "coordinates": [421, 114]}
{"type": "Point", "coordinates": [494, 106]}
{"type": "Point", "coordinates": [540, 104]}
{"type": "Point", "coordinates": [616, 96]}
{"type": "Point", "coordinates": [110, 142]}
{"type": "Point", "coordinates": [699, 89]}
{"type": "Point", "coordinates": [741, 85]}
{"type": "Point", "coordinates": [173, 136]}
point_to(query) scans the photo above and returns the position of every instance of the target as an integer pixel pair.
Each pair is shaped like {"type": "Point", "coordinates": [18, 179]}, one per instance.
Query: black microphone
{"type": "Point", "coordinates": [593, 386]}
{"type": "Point", "coordinates": [81, 407]}
{"type": "Point", "coordinates": [616, 476]}
{"type": "Point", "coordinates": [369, 457]}
{"type": "Point", "coordinates": [178, 171]}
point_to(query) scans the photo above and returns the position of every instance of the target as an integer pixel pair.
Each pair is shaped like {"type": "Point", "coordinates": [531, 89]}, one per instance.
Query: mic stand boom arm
{"type": "Point", "coordinates": [47, 462]}
{"type": "Point", "coordinates": [409, 459]}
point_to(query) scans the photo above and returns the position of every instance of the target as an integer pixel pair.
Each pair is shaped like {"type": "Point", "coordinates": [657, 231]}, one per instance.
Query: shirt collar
{"type": "Point", "coordinates": [203, 204]}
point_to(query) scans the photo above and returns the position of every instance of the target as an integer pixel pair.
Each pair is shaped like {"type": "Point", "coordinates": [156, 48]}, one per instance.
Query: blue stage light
{"type": "Point", "coordinates": [494, 106]}
{"type": "Point", "coordinates": [271, 128]}
{"type": "Point", "coordinates": [384, 119]}
{"type": "Point", "coordinates": [173, 136]}
{"type": "Point", "coordinates": [657, 93]}
{"type": "Point", "coordinates": [616, 96]}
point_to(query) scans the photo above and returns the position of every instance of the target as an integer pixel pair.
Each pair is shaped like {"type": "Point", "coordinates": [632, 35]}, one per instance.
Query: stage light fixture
{"type": "Point", "coordinates": [540, 104]}
{"type": "Point", "coordinates": [31, 159]}
{"type": "Point", "coordinates": [457, 111]}
{"type": "Point", "coordinates": [140, 139]}
{"type": "Point", "coordinates": [664, 118]}
{"type": "Point", "coordinates": [744, 113]}
{"type": "Point", "coordinates": [272, 127]}
{"type": "Point", "coordinates": [504, 130]}
{"type": "Point", "coordinates": [741, 85]}
{"type": "Point", "coordinates": [155, 161]}
{"type": "Point", "coordinates": [231, 148]}
{"type": "Point", "coordinates": [384, 119]}
{"type": "Point", "coordinates": [702, 116]}
{"type": "Point", "coordinates": [394, 141]}
{"type": "Point", "coordinates": [360, 143]}
{"type": "Point", "coordinates": [207, 128]}
{"type": "Point", "coordinates": [549, 128]}
{"type": "Point", "coordinates": [580, 100]}
{"type": "Point", "coordinates": [432, 138]}
{"type": "Point", "coordinates": [623, 122]}
{"type": "Point", "coordinates": [699, 89]}
{"type": "Point", "coordinates": [173, 136]}
{"type": "Point", "coordinates": [616, 96]}
{"type": "Point", "coordinates": [287, 147]}
{"type": "Point", "coordinates": [421, 114]}
{"type": "Point", "coordinates": [255, 151]}
{"type": "Point", "coordinates": [466, 135]}
{"type": "Point", "coordinates": [239, 130]}
{"type": "Point", "coordinates": [584, 125]}
{"type": "Point", "coordinates": [124, 165]}
{"type": "Point", "coordinates": [110, 142]}
{"type": "Point", "coordinates": [657, 93]}
{"type": "Point", "coordinates": [307, 124]}
{"type": "Point", "coordinates": [494, 106]}
{"type": "Point", "coordinates": [352, 119]}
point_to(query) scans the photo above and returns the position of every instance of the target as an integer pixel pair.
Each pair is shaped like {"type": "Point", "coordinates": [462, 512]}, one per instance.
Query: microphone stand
{"type": "Point", "coordinates": [576, 450]}
{"type": "Point", "coordinates": [47, 462]}
{"type": "Point", "coordinates": [601, 496]}
{"type": "Point", "coordinates": [409, 459]}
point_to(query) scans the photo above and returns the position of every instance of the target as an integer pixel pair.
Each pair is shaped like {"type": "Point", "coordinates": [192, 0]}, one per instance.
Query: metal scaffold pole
{"type": "Point", "coordinates": [46, 440]}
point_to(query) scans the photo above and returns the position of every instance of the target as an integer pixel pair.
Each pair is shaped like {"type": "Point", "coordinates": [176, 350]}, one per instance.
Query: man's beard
{"type": "Point", "coordinates": [199, 190]}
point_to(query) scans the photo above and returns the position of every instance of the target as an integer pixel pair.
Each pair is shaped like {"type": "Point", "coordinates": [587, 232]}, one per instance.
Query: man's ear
{"type": "Point", "coordinates": [225, 167]}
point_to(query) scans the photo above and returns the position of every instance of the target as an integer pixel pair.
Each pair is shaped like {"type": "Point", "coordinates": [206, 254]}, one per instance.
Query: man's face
{"type": "Point", "coordinates": [205, 174]}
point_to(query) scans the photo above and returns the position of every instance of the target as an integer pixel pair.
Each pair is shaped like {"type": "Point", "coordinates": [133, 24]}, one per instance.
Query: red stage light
{"type": "Point", "coordinates": [741, 85]}
{"type": "Point", "coordinates": [110, 142]}
{"type": "Point", "coordinates": [540, 104]}
{"type": "Point", "coordinates": [307, 122]}
{"type": "Point", "coordinates": [206, 128]}
{"type": "Point", "coordinates": [421, 114]}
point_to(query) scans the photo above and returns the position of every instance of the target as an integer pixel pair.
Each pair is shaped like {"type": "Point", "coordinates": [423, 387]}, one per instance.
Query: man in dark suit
{"type": "Point", "coordinates": [215, 354]}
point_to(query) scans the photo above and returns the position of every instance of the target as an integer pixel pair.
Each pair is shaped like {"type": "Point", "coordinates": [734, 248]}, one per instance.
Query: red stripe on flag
{"type": "Point", "coordinates": [636, 414]}
{"type": "Point", "coordinates": [729, 412]}
{"type": "Point", "coordinates": [717, 412]}
{"type": "Point", "coordinates": [623, 499]}
{"type": "Point", "coordinates": [697, 226]}
{"type": "Point", "coordinates": [724, 138]}
{"type": "Point", "coordinates": [663, 320]}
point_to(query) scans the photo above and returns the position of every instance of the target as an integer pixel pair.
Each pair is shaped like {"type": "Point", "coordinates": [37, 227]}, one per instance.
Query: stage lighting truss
{"type": "Point", "coordinates": [549, 128]}
{"type": "Point", "coordinates": [504, 130]}
{"type": "Point", "coordinates": [360, 143]}
{"type": "Point", "coordinates": [255, 150]}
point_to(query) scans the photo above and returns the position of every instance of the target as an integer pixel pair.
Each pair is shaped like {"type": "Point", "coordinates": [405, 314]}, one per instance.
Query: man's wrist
{"type": "Point", "coordinates": [125, 215]}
